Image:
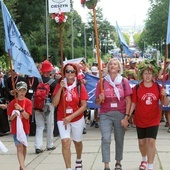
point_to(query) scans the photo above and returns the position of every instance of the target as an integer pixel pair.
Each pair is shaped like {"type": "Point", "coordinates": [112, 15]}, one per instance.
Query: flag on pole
{"type": "Point", "coordinates": [123, 43]}
{"type": "Point", "coordinates": [91, 82]}
{"type": "Point", "coordinates": [168, 27]}
{"type": "Point", "coordinates": [14, 44]}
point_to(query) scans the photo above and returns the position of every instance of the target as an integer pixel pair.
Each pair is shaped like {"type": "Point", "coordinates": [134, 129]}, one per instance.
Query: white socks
{"type": "Point", "coordinates": [150, 166]}
{"type": "Point", "coordinates": [144, 158]}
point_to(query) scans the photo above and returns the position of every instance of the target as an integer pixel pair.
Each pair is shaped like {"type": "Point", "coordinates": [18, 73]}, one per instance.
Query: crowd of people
{"type": "Point", "coordinates": [65, 110]}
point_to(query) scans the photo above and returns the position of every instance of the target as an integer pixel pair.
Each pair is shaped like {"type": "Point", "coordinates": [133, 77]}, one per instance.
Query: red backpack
{"type": "Point", "coordinates": [41, 94]}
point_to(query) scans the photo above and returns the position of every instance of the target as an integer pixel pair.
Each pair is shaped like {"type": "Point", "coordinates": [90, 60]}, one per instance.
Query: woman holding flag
{"type": "Point", "coordinates": [115, 104]}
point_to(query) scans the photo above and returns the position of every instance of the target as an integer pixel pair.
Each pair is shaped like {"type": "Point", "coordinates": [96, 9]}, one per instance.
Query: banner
{"type": "Point", "coordinates": [91, 82]}
{"type": "Point", "coordinates": [16, 47]}
{"type": "Point", "coordinates": [75, 61]}
{"type": "Point", "coordinates": [56, 6]}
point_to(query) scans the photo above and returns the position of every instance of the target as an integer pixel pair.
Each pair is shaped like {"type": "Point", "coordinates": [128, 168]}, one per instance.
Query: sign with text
{"type": "Point", "coordinates": [56, 6]}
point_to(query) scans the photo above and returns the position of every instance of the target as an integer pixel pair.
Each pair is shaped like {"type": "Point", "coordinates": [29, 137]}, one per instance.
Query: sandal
{"type": "Point", "coordinates": [79, 165]}
{"type": "Point", "coordinates": [143, 165]}
{"type": "Point", "coordinates": [118, 166]}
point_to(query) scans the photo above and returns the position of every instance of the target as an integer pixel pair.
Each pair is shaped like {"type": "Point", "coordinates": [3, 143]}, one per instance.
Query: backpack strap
{"type": "Point", "coordinates": [50, 81]}
{"type": "Point", "coordinates": [158, 86]}
{"type": "Point", "coordinates": [123, 84]}
{"type": "Point", "coordinates": [79, 91]}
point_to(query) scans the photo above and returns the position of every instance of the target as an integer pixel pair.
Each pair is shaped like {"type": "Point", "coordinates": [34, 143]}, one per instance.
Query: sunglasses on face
{"type": "Point", "coordinates": [70, 71]}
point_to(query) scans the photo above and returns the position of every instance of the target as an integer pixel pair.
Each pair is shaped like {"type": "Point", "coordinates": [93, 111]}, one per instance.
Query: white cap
{"type": "Point", "coordinates": [94, 69]}
{"type": "Point", "coordinates": [57, 70]}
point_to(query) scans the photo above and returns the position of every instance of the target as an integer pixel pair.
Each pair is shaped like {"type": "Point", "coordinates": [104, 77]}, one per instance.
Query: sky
{"type": "Point", "coordinates": [125, 12]}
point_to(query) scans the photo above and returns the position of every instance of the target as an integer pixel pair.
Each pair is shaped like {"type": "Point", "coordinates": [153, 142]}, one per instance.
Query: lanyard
{"type": "Point", "coordinates": [31, 81]}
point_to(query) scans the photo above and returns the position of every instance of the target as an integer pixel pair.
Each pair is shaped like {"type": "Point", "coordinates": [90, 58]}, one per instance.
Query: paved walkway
{"type": "Point", "coordinates": [53, 160]}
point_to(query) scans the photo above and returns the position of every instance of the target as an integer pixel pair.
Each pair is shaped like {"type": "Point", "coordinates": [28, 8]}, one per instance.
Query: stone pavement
{"type": "Point", "coordinates": [53, 160]}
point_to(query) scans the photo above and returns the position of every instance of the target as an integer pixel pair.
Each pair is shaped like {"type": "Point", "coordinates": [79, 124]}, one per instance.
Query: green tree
{"type": "Point", "coordinates": [156, 24]}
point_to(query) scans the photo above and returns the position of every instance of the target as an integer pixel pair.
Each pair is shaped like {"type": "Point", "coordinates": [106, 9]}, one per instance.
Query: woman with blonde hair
{"type": "Point", "coordinates": [114, 101]}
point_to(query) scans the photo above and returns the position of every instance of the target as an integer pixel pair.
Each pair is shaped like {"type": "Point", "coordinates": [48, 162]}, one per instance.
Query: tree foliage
{"type": "Point", "coordinates": [30, 19]}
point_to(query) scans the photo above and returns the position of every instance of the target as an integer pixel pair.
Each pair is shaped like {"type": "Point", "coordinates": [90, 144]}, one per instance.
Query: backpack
{"type": "Point", "coordinates": [41, 95]}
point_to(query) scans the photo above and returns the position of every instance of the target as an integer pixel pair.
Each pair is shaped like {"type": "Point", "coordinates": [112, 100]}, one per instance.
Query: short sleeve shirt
{"type": "Point", "coordinates": [147, 111]}
{"type": "Point", "coordinates": [111, 102]}
{"type": "Point", "coordinates": [74, 104]}
{"type": "Point", "coordinates": [26, 104]}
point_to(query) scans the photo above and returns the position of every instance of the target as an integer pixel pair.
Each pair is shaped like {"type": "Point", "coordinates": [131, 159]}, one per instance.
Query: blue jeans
{"type": "Point", "coordinates": [107, 122]}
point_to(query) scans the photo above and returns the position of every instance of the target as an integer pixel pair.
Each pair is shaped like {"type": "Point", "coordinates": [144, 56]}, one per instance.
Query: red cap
{"type": "Point", "coordinates": [46, 66]}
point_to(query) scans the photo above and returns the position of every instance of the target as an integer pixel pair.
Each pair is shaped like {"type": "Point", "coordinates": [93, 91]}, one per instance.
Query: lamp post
{"type": "Point", "coordinates": [85, 43]}
{"type": "Point", "coordinates": [91, 38]}
{"type": "Point", "coordinates": [47, 28]}
{"type": "Point", "coordinates": [72, 38]}
{"type": "Point", "coordinates": [162, 43]}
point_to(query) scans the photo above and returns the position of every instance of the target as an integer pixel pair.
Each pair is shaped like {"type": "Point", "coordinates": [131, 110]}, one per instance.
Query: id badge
{"type": "Point", "coordinates": [113, 104]}
{"type": "Point", "coordinates": [30, 91]}
{"type": "Point", "coordinates": [69, 110]}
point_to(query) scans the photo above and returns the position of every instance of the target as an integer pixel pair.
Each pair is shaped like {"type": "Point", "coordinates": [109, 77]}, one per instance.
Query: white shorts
{"type": "Point", "coordinates": [76, 128]}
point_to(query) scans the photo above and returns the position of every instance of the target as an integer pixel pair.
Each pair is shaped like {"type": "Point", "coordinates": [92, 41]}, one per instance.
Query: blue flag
{"type": "Point", "coordinates": [168, 27]}
{"type": "Point", "coordinates": [14, 44]}
{"type": "Point", "coordinates": [123, 43]}
{"type": "Point", "coordinates": [91, 82]}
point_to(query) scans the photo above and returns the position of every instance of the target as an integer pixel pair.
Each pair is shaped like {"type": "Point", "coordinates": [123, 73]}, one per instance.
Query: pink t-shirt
{"type": "Point", "coordinates": [111, 102]}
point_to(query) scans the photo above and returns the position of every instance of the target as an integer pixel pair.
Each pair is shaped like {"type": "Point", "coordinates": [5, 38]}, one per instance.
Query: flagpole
{"type": "Point", "coordinates": [62, 70]}
{"type": "Point", "coordinates": [164, 70]}
{"type": "Point", "coordinates": [167, 42]}
{"type": "Point", "coordinates": [121, 49]}
{"type": "Point", "coordinates": [12, 76]}
{"type": "Point", "coordinates": [97, 50]}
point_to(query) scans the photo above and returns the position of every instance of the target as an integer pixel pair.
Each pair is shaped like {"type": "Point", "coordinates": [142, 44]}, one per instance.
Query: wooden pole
{"type": "Point", "coordinates": [98, 50]}
{"type": "Point", "coordinates": [12, 76]}
{"type": "Point", "coordinates": [62, 70]}
{"type": "Point", "coordinates": [164, 70]}
{"type": "Point", "coordinates": [123, 63]}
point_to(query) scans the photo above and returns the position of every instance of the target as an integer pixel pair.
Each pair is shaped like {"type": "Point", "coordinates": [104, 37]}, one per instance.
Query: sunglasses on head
{"type": "Point", "coordinates": [70, 71]}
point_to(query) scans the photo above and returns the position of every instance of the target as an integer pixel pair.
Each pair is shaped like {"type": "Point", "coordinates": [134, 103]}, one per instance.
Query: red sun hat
{"type": "Point", "coordinates": [46, 66]}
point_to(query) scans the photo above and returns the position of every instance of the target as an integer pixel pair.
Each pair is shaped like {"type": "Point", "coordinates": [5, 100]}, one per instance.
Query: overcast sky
{"type": "Point", "coordinates": [125, 12]}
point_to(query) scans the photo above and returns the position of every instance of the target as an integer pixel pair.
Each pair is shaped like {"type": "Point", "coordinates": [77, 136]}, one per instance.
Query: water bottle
{"type": "Point", "coordinates": [48, 100]}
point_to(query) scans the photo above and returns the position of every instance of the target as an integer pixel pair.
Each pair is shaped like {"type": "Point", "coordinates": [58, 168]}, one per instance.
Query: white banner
{"type": "Point", "coordinates": [56, 6]}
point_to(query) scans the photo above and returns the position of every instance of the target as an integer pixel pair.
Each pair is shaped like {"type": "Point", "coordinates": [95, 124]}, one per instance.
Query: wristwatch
{"type": "Point", "coordinates": [22, 110]}
{"type": "Point", "coordinates": [127, 115]}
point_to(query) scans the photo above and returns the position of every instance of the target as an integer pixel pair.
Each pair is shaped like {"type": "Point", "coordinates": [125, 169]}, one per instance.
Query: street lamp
{"type": "Point", "coordinates": [104, 40]}
{"type": "Point", "coordinates": [72, 37]}
{"type": "Point", "coordinates": [91, 38]}
{"type": "Point", "coordinates": [47, 29]}
{"type": "Point", "coordinates": [162, 43]}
